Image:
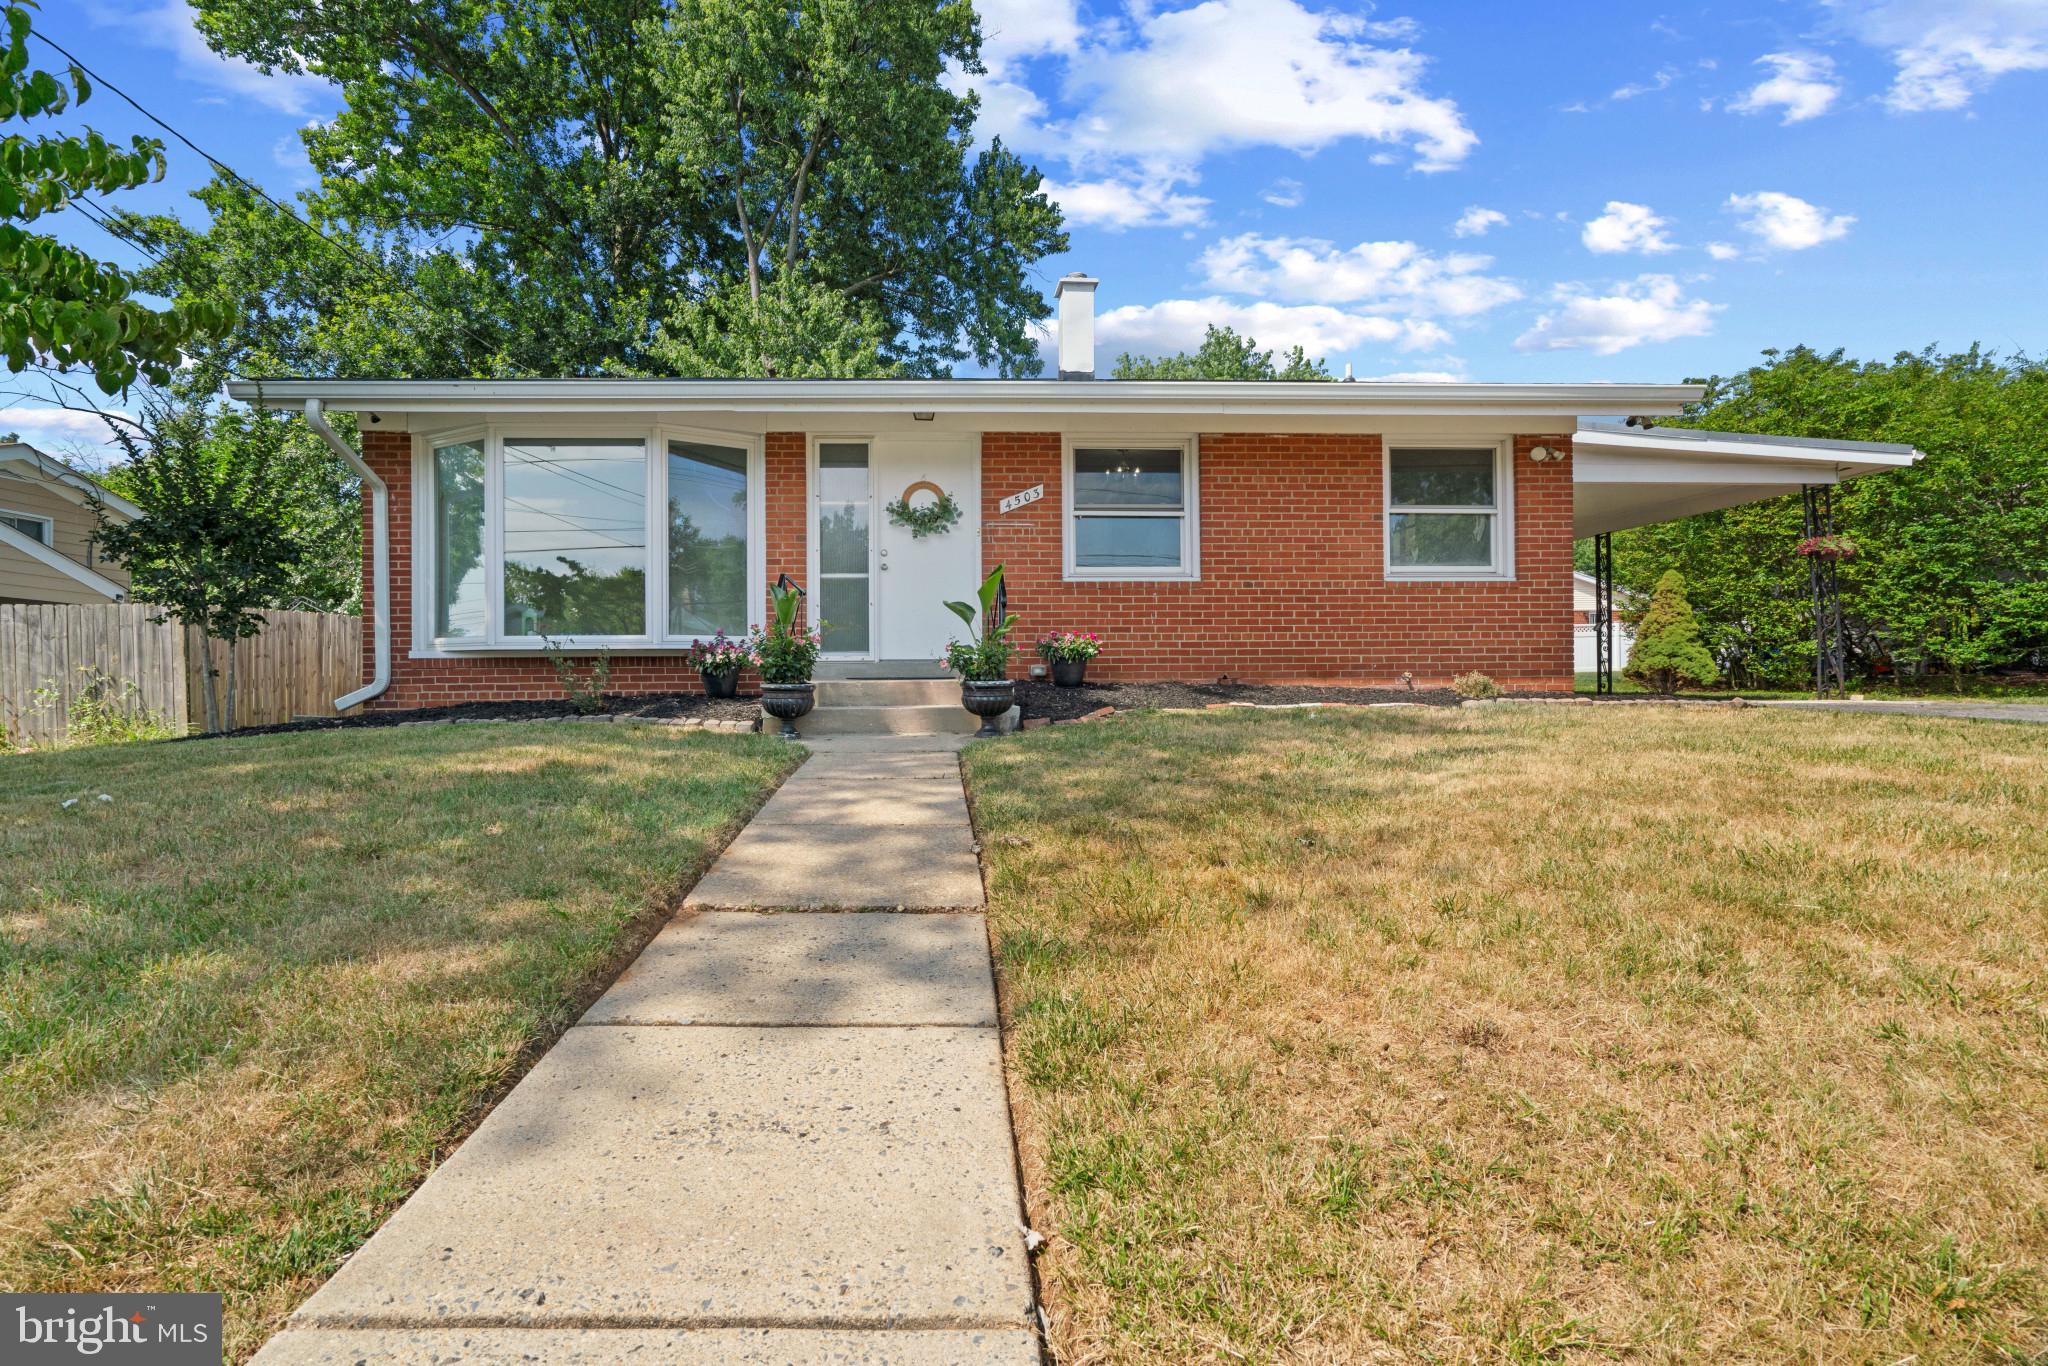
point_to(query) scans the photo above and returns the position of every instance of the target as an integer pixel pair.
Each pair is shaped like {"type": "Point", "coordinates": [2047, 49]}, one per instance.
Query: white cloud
{"type": "Point", "coordinates": [1948, 51]}
{"type": "Point", "coordinates": [169, 28]}
{"type": "Point", "coordinates": [1661, 81]}
{"type": "Point", "coordinates": [1651, 308]}
{"type": "Point", "coordinates": [1785, 222]}
{"type": "Point", "coordinates": [1120, 204]}
{"type": "Point", "coordinates": [1285, 193]}
{"type": "Point", "coordinates": [1723, 251]}
{"type": "Point", "coordinates": [1475, 222]}
{"type": "Point", "coordinates": [1398, 276]}
{"type": "Point", "coordinates": [1178, 324]}
{"type": "Point", "coordinates": [1802, 84]}
{"type": "Point", "coordinates": [82, 438]}
{"type": "Point", "coordinates": [1626, 227]}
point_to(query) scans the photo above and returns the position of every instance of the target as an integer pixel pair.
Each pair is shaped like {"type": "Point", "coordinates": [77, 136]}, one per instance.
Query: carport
{"type": "Point", "coordinates": [1634, 474]}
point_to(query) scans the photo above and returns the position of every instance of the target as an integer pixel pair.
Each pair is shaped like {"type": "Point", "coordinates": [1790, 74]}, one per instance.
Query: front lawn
{"type": "Point", "coordinates": [247, 1003]}
{"type": "Point", "coordinates": [1529, 1034]}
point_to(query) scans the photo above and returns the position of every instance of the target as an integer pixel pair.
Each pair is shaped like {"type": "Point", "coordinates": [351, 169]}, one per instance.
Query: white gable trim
{"type": "Point", "coordinates": [66, 483]}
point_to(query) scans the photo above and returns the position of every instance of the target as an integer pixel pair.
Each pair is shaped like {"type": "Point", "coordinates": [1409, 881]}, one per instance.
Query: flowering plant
{"type": "Point", "coordinates": [1069, 647]}
{"type": "Point", "coordinates": [1827, 547]}
{"type": "Point", "coordinates": [785, 651]}
{"type": "Point", "coordinates": [720, 655]}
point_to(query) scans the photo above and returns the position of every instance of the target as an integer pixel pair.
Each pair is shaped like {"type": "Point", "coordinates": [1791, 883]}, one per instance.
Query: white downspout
{"type": "Point", "coordinates": [380, 558]}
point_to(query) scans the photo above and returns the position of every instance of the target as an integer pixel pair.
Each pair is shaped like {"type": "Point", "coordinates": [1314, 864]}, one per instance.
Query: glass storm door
{"type": "Point", "coordinates": [844, 512]}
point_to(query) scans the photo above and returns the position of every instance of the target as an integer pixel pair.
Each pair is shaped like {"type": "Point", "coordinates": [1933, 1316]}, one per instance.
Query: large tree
{"type": "Point", "coordinates": [59, 306]}
{"type": "Point", "coordinates": [1223, 354]}
{"type": "Point", "coordinates": [1951, 570]}
{"type": "Point", "coordinates": [580, 184]}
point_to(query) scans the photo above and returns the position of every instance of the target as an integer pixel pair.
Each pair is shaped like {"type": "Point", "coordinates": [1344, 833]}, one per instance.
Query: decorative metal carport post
{"type": "Point", "coordinates": [1603, 613]}
{"type": "Point", "coordinates": [1830, 639]}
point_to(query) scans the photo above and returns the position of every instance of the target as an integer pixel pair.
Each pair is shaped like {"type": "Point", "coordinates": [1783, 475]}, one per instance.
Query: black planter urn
{"type": "Point", "coordinates": [988, 698]}
{"type": "Point", "coordinates": [787, 701]}
{"type": "Point", "coordinates": [725, 684]}
{"type": "Point", "coordinates": [1068, 673]}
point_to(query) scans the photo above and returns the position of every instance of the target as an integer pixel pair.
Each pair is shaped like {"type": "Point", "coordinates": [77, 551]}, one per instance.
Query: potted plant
{"type": "Point", "coordinates": [719, 661]}
{"type": "Point", "coordinates": [1827, 548]}
{"type": "Point", "coordinates": [1068, 653]}
{"type": "Point", "coordinates": [786, 654]}
{"type": "Point", "coordinates": [983, 663]}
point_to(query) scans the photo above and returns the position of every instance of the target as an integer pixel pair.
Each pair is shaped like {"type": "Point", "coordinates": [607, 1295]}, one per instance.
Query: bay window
{"type": "Point", "coordinates": [1131, 511]}
{"type": "Point", "coordinates": [1448, 514]}
{"type": "Point", "coordinates": [644, 538]}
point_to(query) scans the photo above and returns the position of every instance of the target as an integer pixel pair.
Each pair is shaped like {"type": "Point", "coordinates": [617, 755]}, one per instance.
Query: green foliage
{"type": "Point", "coordinates": [59, 306]}
{"type": "Point", "coordinates": [583, 685]}
{"type": "Point", "coordinates": [786, 652]}
{"type": "Point", "coordinates": [933, 519]}
{"type": "Point", "coordinates": [1223, 355]}
{"type": "Point", "coordinates": [587, 186]}
{"type": "Point", "coordinates": [214, 545]}
{"type": "Point", "coordinates": [987, 654]}
{"type": "Point", "coordinates": [1948, 571]}
{"type": "Point", "coordinates": [108, 710]}
{"type": "Point", "coordinates": [1667, 650]}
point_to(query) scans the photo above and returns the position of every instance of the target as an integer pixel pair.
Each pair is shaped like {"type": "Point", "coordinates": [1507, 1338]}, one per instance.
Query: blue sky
{"type": "Point", "coordinates": [1478, 191]}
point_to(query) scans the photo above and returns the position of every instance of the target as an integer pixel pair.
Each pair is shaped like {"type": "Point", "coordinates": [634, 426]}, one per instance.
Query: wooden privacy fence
{"type": "Point", "coordinates": [297, 667]}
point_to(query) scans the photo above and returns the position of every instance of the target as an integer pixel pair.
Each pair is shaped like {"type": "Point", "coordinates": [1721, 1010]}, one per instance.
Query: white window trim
{"type": "Point", "coordinates": [813, 581]}
{"type": "Point", "coordinates": [1190, 568]}
{"type": "Point", "coordinates": [49, 536]}
{"type": "Point", "coordinates": [654, 439]}
{"type": "Point", "coordinates": [1502, 570]}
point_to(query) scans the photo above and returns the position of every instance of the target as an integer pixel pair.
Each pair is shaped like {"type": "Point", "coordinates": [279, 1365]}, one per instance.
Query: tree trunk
{"type": "Point", "coordinates": [206, 674]}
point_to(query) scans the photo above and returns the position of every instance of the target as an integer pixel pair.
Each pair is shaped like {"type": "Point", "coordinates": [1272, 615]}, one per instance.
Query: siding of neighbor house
{"type": "Point", "coordinates": [1291, 589]}
{"type": "Point", "coordinates": [25, 580]}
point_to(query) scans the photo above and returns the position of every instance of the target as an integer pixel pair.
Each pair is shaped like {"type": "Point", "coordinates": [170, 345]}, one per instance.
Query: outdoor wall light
{"type": "Point", "coordinates": [921, 417]}
{"type": "Point", "coordinates": [1542, 453]}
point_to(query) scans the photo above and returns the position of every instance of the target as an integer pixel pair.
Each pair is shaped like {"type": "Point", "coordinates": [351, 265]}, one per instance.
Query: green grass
{"type": "Point", "coordinates": [1973, 689]}
{"type": "Point", "coordinates": [247, 1004]}
{"type": "Point", "coordinates": [1529, 1034]}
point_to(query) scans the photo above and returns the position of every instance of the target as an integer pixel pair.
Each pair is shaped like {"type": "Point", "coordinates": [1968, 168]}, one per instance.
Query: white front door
{"type": "Point", "coordinates": [915, 576]}
{"type": "Point", "coordinates": [881, 590]}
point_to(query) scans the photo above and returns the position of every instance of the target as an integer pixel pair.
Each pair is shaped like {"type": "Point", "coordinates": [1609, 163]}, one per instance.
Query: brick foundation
{"type": "Point", "coordinates": [1291, 588]}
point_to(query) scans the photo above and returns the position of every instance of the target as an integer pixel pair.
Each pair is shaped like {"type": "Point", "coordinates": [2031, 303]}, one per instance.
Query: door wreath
{"type": "Point", "coordinates": [930, 519]}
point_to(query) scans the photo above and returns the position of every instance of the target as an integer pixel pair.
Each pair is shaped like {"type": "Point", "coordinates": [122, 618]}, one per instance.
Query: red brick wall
{"type": "Point", "coordinates": [1292, 586]}
{"type": "Point", "coordinates": [440, 682]}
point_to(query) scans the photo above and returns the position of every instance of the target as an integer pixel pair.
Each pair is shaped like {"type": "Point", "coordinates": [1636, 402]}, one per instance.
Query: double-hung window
{"type": "Point", "coordinates": [35, 528]}
{"type": "Point", "coordinates": [643, 538]}
{"type": "Point", "coordinates": [1448, 513]}
{"type": "Point", "coordinates": [1131, 512]}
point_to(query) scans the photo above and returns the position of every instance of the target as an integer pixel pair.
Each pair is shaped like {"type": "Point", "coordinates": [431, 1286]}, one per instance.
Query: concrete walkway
{"type": "Point", "coordinates": [780, 1139]}
{"type": "Point", "coordinates": [2034, 713]}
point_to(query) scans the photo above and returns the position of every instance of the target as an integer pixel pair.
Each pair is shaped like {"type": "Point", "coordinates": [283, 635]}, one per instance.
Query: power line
{"type": "Point", "coordinates": [343, 244]}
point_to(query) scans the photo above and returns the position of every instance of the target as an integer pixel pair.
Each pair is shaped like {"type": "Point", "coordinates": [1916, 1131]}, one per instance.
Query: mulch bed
{"type": "Point", "coordinates": [1071, 704]}
{"type": "Point", "coordinates": [657, 707]}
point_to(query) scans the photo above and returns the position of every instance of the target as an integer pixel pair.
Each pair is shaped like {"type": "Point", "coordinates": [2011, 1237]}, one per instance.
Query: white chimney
{"type": "Point", "coordinates": [1076, 295]}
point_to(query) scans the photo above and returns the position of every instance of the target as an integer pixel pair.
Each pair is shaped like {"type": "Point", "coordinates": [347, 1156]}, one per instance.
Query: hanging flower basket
{"type": "Point", "coordinates": [1827, 548]}
{"type": "Point", "coordinates": [929, 519]}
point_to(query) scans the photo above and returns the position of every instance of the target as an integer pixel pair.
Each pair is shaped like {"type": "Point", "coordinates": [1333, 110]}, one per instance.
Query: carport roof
{"type": "Point", "coordinates": [1624, 476]}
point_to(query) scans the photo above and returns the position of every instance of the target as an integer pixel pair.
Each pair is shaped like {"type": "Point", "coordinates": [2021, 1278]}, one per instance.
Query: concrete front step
{"type": "Point", "coordinates": [941, 720]}
{"type": "Point", "coordinates": [889, 692]}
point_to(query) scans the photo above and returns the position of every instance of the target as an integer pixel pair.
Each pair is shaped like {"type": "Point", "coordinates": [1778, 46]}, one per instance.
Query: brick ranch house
{"type": "Point", "coordinates": [1324, 532]}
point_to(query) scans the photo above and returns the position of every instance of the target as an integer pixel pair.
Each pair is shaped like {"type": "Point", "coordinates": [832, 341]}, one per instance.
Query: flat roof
{"type": "Point", "coordinates": [1337, 398]}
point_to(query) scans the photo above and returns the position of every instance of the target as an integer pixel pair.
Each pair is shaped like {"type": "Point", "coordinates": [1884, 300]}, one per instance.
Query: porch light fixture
{"type": "Point", "coordinates": [1539, 454]}
{"type": "Point", "coordinates": [921, 417]}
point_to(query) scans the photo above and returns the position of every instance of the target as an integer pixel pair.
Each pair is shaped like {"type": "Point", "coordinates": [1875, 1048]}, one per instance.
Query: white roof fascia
{"type": "Point", "coordinates": [63, 564]}
{"type": "Point", "coordinates": [1188, 398]}
{"type": "Point", "coordinates": [1847, 458]}
{"type": "Point", "coordinates": [69, 483]}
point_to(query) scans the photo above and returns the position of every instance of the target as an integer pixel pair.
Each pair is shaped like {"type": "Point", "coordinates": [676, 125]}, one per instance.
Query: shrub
{"type": "Point", "coordinates": [1476, 685]}
{"type": "Point", "coordinates": [583, 687]}
{"type": "Point", "coordinates": [107, 710]}
{"type": "Point", "coordinates": [1668, 650]}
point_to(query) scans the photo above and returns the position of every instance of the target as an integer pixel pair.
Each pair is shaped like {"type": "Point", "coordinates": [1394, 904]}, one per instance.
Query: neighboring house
{"type": "Point", "coordinates": [1319, 532]}
{"type": "Point", "coordinates": [1585, 636]}
{"type": "Point", "coordinates": [47, 532]}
